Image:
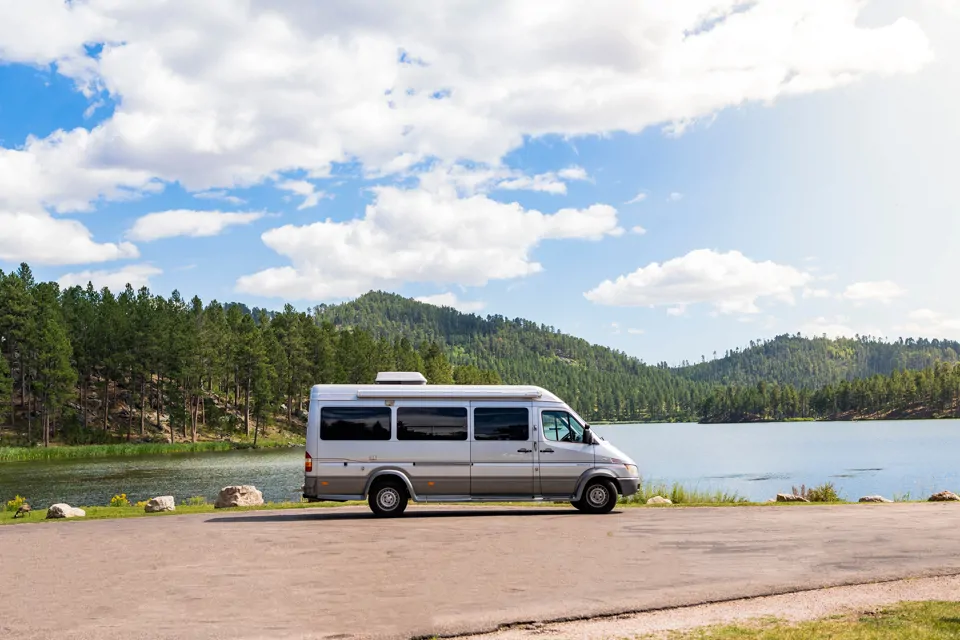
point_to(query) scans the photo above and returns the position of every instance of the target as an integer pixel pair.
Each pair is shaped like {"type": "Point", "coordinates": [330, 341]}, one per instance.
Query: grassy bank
{"type": "Point", "coordinates": [19, 454]}
{"type": "Point", "coordinates": [678, 494]}
{"type": "Point", "coordinates": [909, 621]}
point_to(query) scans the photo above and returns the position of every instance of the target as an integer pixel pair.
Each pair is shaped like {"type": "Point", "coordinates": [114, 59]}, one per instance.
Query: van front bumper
{"type": "Point", "coordinates": [629, 486]}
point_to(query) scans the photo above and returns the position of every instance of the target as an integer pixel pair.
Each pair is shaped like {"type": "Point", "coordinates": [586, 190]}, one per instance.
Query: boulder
{"type": "Point", "coordinates": [160, 503]}
{"type": "Point", "coordinates": [659, 500]}
{"type": "Point", "coordinates": [944, 496]}
{"type": "Point", "coordinates": [63, 510]}
{"type": "Point", "coordinates": [789, 497]}
{"type": "Point", "coordinates": [245, 495]}
{"type": "Point", "coordinates": [875, 499]}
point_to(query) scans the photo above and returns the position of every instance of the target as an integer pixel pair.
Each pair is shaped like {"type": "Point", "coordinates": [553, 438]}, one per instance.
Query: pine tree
{"type": "Point", "coordinates": [54, 378]}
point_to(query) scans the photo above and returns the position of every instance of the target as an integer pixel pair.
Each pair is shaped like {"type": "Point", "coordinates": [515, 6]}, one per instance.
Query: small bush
{"type": "Point", "coordinates": [195, 501]}
{"type": "Point", "coordinates": [16, 503]}
{"type": "Point", "coordinates": [824, 493]}
{"type": "Point", "coordinates": [119, 500]}
{"type": "Point", "coordinates": [141, 504]}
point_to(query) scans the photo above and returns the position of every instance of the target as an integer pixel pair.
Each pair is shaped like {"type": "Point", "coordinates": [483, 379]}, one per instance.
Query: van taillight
{"type": "Point", "coordinates": [308, 462]}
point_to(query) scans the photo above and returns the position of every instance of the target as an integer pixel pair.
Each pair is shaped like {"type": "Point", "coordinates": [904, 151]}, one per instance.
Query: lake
{"type": "Point", "coordinates": [756, 460]}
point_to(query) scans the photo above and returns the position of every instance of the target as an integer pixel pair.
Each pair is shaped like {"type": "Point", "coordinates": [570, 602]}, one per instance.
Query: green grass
{"type": "Point", "coordinates": [908, 621]}
{"type": "Point", "coordinates": [20, 454]}
{"type": "Point", "coordinates": [678, 494]}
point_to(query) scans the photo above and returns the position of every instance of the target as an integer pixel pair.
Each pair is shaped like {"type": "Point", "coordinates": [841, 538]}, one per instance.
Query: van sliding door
{"type": "Point", "coordinates": [502, 441]}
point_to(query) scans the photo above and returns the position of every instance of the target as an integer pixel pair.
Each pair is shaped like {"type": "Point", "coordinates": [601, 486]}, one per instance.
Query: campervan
{"type": "Point", "coordinates": [402, 439]}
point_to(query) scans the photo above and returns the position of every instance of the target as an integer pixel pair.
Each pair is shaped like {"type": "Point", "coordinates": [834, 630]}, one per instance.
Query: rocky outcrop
{"type": "Point", "coordinates": [789, 497]}
{"type": "Point", "coordinates": [944, 496]}
{"type": "Point", "coordinates": [160, 503]}
{"type": "Point", "coordinates": [245, 495]}
{"type": "Point", "coordinates": [659, 500]}
{"type": "Point", "coordinates": [63, 510]}
{"type": "Point", "coordinates": [875, 499]}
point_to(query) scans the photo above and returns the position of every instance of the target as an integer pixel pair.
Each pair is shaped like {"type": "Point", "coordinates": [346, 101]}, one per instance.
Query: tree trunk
{"type": "Point", "coordinates": [194, 413]}
{"type": "Point", "coordinates": [106, 401]}
{"type": "Point", "coordinates": [83, 403]}
{"type": "Point", "coordinates": [29, 401]}
{"type": "Point", "coordinates": [246, 407]}
{"type": "Point", "coordinates": [289, 413]}
{"type": "Point", "coordinates": [143, 408]}
{"type": "Point", "coordinates": [159, 385]}
{"type": "Point", "coordinates": [256, 430]}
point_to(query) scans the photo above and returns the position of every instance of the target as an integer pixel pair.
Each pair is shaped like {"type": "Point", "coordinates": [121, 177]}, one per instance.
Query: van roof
{"type": "Point", "coordinates": [434, 391]}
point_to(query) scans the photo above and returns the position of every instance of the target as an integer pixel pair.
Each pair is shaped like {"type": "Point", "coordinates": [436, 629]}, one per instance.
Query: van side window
{"type": "Point", "coordinates": [355, 423]}
{"type": "Point", "coordinates": [560, 426]}
{"type": "Point", "coordinates": [424, 423]}
{"type": "Point", "coordinates": [501, 423]}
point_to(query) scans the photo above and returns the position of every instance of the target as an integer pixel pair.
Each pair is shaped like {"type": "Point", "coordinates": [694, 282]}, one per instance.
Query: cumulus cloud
{"type": "Point", "coordinates": [884, 292]}
{"type": "Point", "coordinates": [218, 94]}
{"type": "Point", "coordinates": [730, 281]}
{"type": "Point", "coordinates": [638, 230]}
{"type": "Point", "coordinates": [42, 239]}
{"type": "Point", "coordinates": [451, 300]}
{"type": "Point", "coordinates": [311, 197]}
{"type": "Point", "coordinates": [573, 173]}
{"type": "Point", "coordinates": [186, 222]}
{"type": "Point", "coordinates": [137, 275]}
{"type": "Point", "coordinates": [219, 195]}
{"type": "Point", "coordinates": [927, 323]}
{"type": "Point", "coordinates": [423, 234]}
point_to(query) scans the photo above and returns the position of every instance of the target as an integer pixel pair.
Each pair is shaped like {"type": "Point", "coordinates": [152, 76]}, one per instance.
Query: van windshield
{"type": "Point", "coordinates": [560, 426]}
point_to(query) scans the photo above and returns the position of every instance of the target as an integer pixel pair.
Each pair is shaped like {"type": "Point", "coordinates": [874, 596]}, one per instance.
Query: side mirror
{"type": "Point", "coordinates": [588, 437]}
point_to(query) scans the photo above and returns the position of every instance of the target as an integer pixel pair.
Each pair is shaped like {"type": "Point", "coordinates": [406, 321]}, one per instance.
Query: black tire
{"type": "Point", "coordinates": [599, 496]}
{"type": "Point", "coordinates": [578, 504]}
{"type": "Point", "coordinates": [388, 498]}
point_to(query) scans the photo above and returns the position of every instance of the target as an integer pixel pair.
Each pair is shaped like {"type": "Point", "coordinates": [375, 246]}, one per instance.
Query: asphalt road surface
{"type": "Point", "coordinates": [324, 573]}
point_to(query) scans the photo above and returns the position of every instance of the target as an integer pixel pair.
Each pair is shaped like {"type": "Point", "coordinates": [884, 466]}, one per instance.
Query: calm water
{"type": "Point", "coordinates": [756, 460]}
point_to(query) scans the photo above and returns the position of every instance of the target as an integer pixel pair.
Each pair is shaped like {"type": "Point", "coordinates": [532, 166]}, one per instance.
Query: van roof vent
{"type": "Point", "coordinates": [400, 377]}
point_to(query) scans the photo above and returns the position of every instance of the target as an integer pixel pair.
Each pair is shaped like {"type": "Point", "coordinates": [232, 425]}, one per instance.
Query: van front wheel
{"type": "Point", "coordinates": [599, 496]}
{"type": "Point", "coordinates": [388, 498]}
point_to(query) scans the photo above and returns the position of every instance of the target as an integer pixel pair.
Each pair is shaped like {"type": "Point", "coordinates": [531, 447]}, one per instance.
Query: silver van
{"type": "Point", "coordinates": [402, 439]}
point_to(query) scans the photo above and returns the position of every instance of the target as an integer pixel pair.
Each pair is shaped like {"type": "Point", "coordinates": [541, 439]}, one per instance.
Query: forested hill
{"type": "Point", "coordinates": [598, 381]}
{"type": "Point", "coordinates": [813, 363]}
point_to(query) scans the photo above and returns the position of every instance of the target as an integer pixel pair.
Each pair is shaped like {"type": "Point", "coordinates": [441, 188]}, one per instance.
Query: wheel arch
{"type": "Point", "coordinates": [592, 474]}
{"type": "Point", "coordinates": [380, 474]}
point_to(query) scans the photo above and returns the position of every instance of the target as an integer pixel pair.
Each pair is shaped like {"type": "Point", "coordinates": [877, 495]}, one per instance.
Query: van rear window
{"type": "Point", "coordinates": [506, 423]}
{"type": "Point", "coordinates": [355, 423]}
{"type": "Point", "coordinates": [437, 423]}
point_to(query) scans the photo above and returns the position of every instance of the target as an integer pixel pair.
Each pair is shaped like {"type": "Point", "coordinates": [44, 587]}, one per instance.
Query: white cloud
{"type": "Point", "coordinates": [731, 282]}
{"type": "Point", "coordinates": [926, 323]}
{"type": "Point", "coordinates": [884, 292]}
{"type": "Point", "coordinates": [676, 311]}
{"type": "Point", "coordinates": [426, 234]}
{"type": "Point", "coordinates": [638, 230]}
{"type": "Point", "coordinates": [573, 173]}
{"type": "Point", "coordinates": [137, 275]}
{"type": "Point", "coordinates": [546, 182]}
{"type": "Point", "coordinates": [451, 300]}
{"type": "Point", "coordinates": [219, 195]}
{"type": "Point", "coordinates": [42, 239]}
{"type": "Point", "coordinates": [636, 332]}
{"type": "Point", "coordinates": [676, 196]}
{"type": "Point", "coordinates": [185, 222]}
{"type": "Point", "coordinates": [811, 292]}
{"type": "Point", "coordinates": [218, 94]}
{"type": "Point", "coordinates": [615, 326]}
{"type": "Point", "coordinates": [837, 327]}
{"type": "Point", "coordinates": [640, 197]}
{"type": "Point", "coordinates": [311, 197]}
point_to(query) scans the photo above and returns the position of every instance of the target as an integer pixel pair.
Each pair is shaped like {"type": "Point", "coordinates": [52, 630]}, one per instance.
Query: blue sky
{"type": "Point", "coordinates": [672, 181]}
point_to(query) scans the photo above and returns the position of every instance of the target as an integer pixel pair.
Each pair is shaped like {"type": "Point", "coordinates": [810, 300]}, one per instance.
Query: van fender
{"type": "Point", "coordinates": [389, 471]}
{"type": "Point", "coordinates": [590, 474]}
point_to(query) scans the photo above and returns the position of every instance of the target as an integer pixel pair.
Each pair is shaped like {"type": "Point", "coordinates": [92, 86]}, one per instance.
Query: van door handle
{"type": "Point", "coordinates": [546, 450]}
{"type": "Point", "coordinates": [524, 450]}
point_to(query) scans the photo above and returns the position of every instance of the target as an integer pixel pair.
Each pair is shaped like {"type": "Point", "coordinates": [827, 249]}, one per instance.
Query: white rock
{"type": "Point", "coordinates": [875, 499]}
{"type": "Point", "coordinates": [659, 500]}
{"type": "Point", "coordinates": [63, 510]}
{"type": "Point", "coordinates": [944, 496]}
{"type": "Point", "coordinates": [160, 503]}
{"type": "Point", "coordinates": [245, 495]}
{"type": "Point", "coordinates": [789, 497]}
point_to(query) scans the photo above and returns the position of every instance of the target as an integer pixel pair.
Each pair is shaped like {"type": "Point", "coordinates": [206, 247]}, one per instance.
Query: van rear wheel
{"type": "Point", "coordinates": [388, 498]}
{"type": "Point", "coordinates": [599, 496]}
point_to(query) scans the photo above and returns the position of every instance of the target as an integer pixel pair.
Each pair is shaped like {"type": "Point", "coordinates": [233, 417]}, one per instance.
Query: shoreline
{"type": "Point", "coordinates": [133, 449]}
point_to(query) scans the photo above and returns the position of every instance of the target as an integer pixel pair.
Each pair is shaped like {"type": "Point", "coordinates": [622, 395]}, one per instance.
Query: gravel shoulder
{"type": "Point", "coordinates": [796, 607]}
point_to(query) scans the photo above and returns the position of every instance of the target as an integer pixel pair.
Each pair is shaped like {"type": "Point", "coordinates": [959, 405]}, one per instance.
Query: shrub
{"type": "Point", "coordinates": [141, 504]}
{"type": "Point", "coordinates": [824, 493]}
{"type": "Point", "coordinates": [16, 503]}
{"type": "Point", "coordinates": [195, 501]}
{"type": "Point", "coordinates": [119, 500]}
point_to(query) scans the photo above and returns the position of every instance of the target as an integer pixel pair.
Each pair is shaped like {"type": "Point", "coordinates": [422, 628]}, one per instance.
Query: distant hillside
{"type": "Point", "coordinates": [813, 363]}
{"type": "Point", "coordinates": [600, 382]}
